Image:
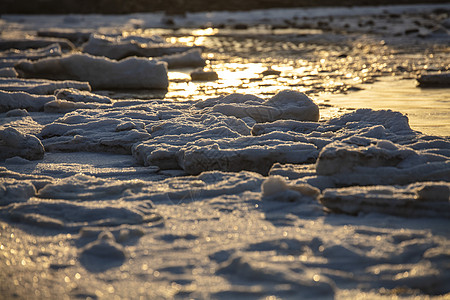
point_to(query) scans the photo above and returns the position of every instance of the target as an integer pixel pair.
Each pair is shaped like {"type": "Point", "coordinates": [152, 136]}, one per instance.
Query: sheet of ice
{"type": "Point", "coordinates": [430, 199]}
{"type": "Point", "coordinates": [119, 47]}
{"type": "Point", "coordinates": [40, 86]}
{"type": "Point", "coordinates": [30, 102]}
{"type": "Point", "coordinates": [130, 73]}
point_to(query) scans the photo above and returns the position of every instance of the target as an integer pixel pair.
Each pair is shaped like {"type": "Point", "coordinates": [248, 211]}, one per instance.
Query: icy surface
{"type": "Point", "coordinates": [232, 188]}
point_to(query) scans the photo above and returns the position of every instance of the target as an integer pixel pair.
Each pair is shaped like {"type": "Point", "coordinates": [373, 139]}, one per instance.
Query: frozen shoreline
{"type": "Point", "coordinates": [242, 186]}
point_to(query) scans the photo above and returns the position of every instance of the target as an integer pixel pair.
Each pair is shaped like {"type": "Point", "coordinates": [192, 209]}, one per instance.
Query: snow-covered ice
{"type": "Point", "coordinates": [108, 189]}
{"type": "Point", "coordinates": [100, 72]}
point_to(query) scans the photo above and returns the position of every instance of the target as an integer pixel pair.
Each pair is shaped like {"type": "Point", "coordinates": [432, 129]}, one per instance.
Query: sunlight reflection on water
{"type": "Point", "coordinates": [331, 74]}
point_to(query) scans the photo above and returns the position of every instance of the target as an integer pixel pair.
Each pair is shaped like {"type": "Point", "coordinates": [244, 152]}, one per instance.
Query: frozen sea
{"type": "Point", "coordinates": [270, 154]}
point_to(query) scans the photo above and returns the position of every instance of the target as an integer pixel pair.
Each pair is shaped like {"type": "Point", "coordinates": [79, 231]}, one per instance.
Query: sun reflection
{"type": "Point", "coordinates": [202, 32]}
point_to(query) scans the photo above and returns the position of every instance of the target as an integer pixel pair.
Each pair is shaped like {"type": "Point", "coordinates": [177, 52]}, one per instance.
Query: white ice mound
{"type": "Point", "coordinates": [101, 73]}
{"type": "Point", "coordinates": [14, 143]}
{"type": "Point", "coordinates": [30, 102]}
{"type": "Point", "coordinates": [32, 54]}
{"type": "Point", "coordinates": [74, 95]}
{"type": "Point", "coordinates": [119, 47]}
{"type": "Point", "coordinates": [286, 104]}
{"type": "Point", "coordinates": [40, 86]}
{"type": "Point", "coordinates": [112, 130]}
{"type": "Point", "coordinates": [424, 199]}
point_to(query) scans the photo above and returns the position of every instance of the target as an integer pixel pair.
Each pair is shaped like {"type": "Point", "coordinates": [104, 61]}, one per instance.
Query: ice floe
{"type": "Point", "coordinates": [101, 73]}
{"type": "Point", "coordinates": [40, 86]}
{"type": "Point", "coordinates": [423, 199]}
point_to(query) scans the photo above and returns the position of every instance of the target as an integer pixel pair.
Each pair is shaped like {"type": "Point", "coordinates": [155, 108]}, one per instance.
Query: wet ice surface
{"type": "Point", "coordinates": [241, 186]}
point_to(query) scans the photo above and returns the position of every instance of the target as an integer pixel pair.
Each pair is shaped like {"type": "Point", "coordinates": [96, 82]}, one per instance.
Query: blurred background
{"type": "Point", "coordinates": [174, 6]}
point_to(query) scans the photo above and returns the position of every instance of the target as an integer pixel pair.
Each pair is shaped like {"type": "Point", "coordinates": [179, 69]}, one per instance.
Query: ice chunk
{"type": "Point", "coordinates": [434, 80]}
{"type": "Point", "coordinates": [40, 86]}
{"type": "Point", "coordinates": [428, 199]}
{"type": "Point", "coordinates": [32, 54]}
{"type": "Point", "coordinates": [8, 72]}
{"type": "Point", "coordinates": [246, 153]}
{"type": "Point", "coordinates": [81, 96]}
{"type": "Point", "coordinates": [13, 143]}
{"type": "Point", "coordinates": [16, 100]}
{"type": "Point", "coordinates": [101, 130]}
{"type": "Point", "coordinates": [76, 36]}
{"type": "Point", "coordinates": [202, 75]}
{"type": "Point", "coordinates": [35, 43]}
{"type": "Point", "coordinates": [101, 73]}
{"type": "Point", "coordinates": [118, 47]}
{"type": "Point", "coordinates": [62, 106]}
{"type": "Point", "coordinates": [284, 105]}
{"type": "Point", "coordinates": [223, 149]}
{"type": "Point", "coordinates": [18, 112]}
{"type": "Point", "coordinates": [276, 188]}
{"type": "Point", "coordinates": [188, 59]}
